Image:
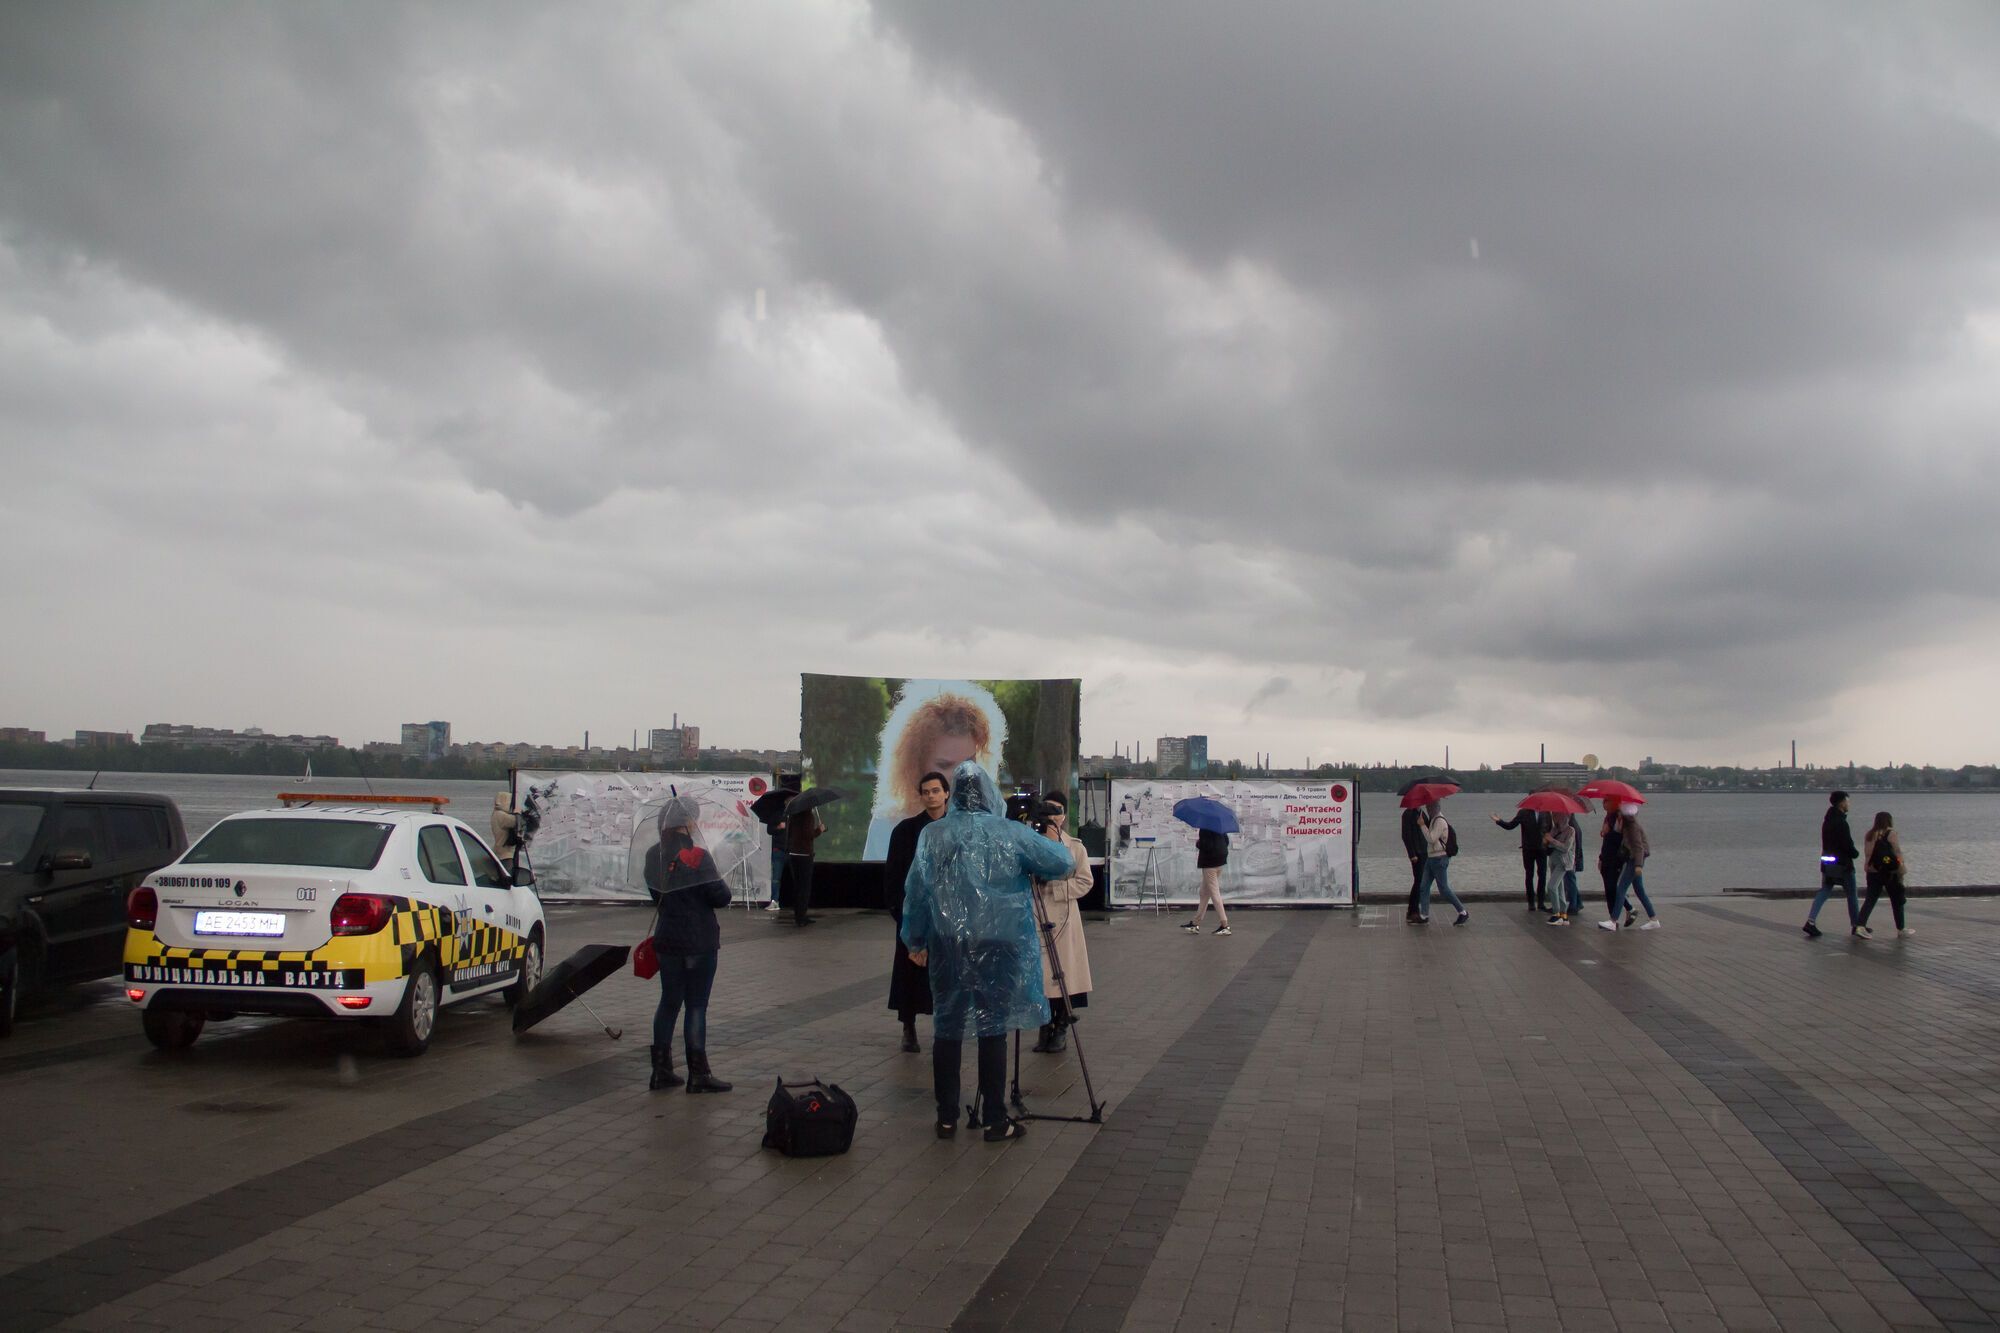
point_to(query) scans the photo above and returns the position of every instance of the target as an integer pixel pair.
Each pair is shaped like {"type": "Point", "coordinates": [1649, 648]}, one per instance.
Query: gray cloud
{"type": "Point", "coordinates": [1145, 344]}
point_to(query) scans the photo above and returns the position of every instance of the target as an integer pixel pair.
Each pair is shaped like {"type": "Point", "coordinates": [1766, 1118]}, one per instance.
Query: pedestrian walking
{"type": "Point", "coordinates": [910, 984]}
{"type": "Point", "coordinates": [1563, 852]}
{"type": "Point", "coordinates": [1632, 874]}
{"type": "Point", "coordinates": [1611, 855]}
{"type": "Point", "coordinates": [1211, 854]}
{"type": "Point", "coordinates": [1837, 855]}
{"type": "Point", "coordinates": [686, 889]}
{"type": "Point", "coordinates": [1413, 847]}
{"type": "Point", "coordinates": [967, 916]}
{"type": "Point", "coordinates": [1062, 942]}
{"type": "Point", "coordinates": [1534, 827]}
{"type": "Point", "coordinates": [1440, 845]}
{"type": "Point", "coordinates": [1882, 854]}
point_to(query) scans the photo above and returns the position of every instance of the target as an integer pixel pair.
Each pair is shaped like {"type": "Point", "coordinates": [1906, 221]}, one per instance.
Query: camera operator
{"type": "Point", "coordinates": [1057, 901]}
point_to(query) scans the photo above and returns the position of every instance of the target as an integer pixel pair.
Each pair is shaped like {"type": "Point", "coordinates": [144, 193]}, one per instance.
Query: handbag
{"type": "Point", "coordinates": [646, 957]}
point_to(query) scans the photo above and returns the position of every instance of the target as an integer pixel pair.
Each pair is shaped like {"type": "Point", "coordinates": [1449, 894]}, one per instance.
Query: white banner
{"type": "Point", "coordinates": [1296, 844]}
{"type": "Point", "coordinates": [586, 834]}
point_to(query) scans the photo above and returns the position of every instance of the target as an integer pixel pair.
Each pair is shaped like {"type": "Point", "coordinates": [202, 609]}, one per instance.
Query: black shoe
{"type": "Point", "coordinates": [1058, 1038]}
{"type": "Point", "coordinates": [699, 1078]}
{"type": "Point", "coordinates": [663, 1070]}
{"type": "Point", "coordinates": [804, 920]}
{"type": "Point", "coordinates": [946, 1128]}
{"type": "Point", "coordinates": [910, 1041]}
{"type": "Point", "coordinates": [1813, 932]}
{"type": "Point", "coordinates": [1006, 1129]}
{"type": "Point", "coordinates": [1463, 917]}
{"type": "Point", "coordinates": [1044, 1040]}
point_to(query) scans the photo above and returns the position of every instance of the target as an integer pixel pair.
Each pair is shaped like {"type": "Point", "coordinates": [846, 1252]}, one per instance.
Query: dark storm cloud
{"type": "Point", "coordinates": [1361, 362]}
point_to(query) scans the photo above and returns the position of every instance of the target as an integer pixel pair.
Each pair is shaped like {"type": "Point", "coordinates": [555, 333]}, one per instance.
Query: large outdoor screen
{"type": "Point", "coordinates": [874, 737]}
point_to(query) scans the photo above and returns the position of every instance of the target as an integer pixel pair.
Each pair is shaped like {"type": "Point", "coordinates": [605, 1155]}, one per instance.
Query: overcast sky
{"type": "Point", "coordinates": [1339, 380]}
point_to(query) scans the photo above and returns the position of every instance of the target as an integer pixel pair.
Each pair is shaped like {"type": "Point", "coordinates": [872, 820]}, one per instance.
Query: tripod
{"type": "Point", "coordinates": [1068, 1019]}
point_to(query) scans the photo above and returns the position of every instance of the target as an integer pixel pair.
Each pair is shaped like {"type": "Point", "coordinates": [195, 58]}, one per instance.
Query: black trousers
{"type": "Point", "coordinates": [1416, 882]}
{"type": "Point", "coordinates": [1610, 871]}
{"type": "Point", "coordinates": [1876, 884]}
{"type": "Point", "coordinates": [1535, 869]}
{"type": "Point", "coordinates": [946, 1054]}
{"type": "Point", "coordinates": [800, 871]}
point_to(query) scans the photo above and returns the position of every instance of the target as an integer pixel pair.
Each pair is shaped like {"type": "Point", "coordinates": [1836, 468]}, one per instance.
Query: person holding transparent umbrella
{"type": "Point", "coordinates": [686, 889]}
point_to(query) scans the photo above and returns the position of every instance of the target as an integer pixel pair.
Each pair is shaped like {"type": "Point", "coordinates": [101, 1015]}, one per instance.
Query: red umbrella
{"type": "Point", "coordinates": [1423, 793]}
{"type": "Point", "coordinates": [1555, 802]}
{"type": "Point", "coordinates": [1610, 789]}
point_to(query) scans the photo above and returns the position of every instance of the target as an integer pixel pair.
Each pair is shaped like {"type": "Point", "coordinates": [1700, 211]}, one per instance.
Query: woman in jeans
{"type": "Point", "coordinates": [1632, 879]}
{"type": "Point", "coordinates": [1563, 846]}
{"type": "Point", "coordinates": [1882, 853]}
{"type": "Point", "coordinates": [686, 889]}
{"type": "Point", "coordinates": [1438, 847]}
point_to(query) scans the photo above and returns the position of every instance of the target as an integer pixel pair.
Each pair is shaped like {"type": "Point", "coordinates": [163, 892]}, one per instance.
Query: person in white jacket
{"type": "Point", "coordinates": [1438, 847]}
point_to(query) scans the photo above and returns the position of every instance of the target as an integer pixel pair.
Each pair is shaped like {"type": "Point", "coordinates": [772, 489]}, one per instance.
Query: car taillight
{"type": "Point", "coordinates": [356, 1001]}
{"type": "Point", "coordinates": [361, 913]}
{"type": "Point", "coordinates": [142, 908]}
{"type": "Point", "coordinates": [135, 995]}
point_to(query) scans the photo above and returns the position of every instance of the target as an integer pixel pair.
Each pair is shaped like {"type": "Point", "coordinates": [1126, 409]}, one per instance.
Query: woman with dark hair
{"type": "Point", "coordinates": [686, 889]}
{"type": "Point", "coordinates": [1882, 853]}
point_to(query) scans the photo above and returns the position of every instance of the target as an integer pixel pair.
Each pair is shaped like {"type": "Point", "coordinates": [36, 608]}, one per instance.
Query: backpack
{"type": "Point", "coordinates": [1884, 860]}
{"type": "Point", "coordinates": [1451, 839]}
{"type": "Point", "coordinates": [816, 1121]}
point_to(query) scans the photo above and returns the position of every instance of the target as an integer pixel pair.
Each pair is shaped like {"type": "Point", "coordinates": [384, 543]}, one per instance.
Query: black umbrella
{"type": "Point", "coordinates": [811, 800]}
{"type": "Point", "coordinates": [770, 807]}
{"type": "Point", "coordinates": [567, 981]}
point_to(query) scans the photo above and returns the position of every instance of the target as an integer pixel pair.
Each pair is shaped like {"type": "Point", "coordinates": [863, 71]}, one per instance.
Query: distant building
{"type": "Point", "coordinates": [426, 740]}
{"type": "Point", "coordinates": [1548, 771]}
{"type": "Point", "coordinates": [221, 738]}
{"type": "Point", "coordinates": [676, 744]}
{"type": "Point", "coordinates": [103, 739]}
{"type": "Point", "coordinates": [1170, 755]}
{"type": "Point", "coordinates": [1197, 755]}
{"type": "Point", "coordinates": [23, 736]}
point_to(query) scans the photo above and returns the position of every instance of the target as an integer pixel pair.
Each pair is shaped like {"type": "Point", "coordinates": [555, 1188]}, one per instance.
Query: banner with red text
{"type": "Point", "coordinates": [1296, 844]}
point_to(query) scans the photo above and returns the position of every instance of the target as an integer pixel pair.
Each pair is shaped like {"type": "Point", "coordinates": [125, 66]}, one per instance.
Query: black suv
{"type": "Point", "coordinates": [67, 861]}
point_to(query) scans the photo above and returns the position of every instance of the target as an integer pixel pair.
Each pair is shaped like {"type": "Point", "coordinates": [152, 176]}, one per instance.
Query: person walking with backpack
{"type": "Point", "coordinates": [1882, 853]}
{"type": "Point", "coordinates": [1837, 855]}
{"type": "Point", "coordinates": [1211, 853]}
{"type": "Point", "coordinates": [1632, 875]}
{"type": "Point", "coordinates": [1440, 845]}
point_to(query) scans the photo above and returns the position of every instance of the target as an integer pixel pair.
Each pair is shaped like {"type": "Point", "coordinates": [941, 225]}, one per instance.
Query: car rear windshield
{"type": "Point", "coordinates": [19, 822]}
{"type": "Point", "coordinates": [345, 844]}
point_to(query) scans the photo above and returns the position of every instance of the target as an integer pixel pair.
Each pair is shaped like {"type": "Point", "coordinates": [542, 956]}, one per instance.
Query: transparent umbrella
{"type": "Point", "coordinates": [720, 823]}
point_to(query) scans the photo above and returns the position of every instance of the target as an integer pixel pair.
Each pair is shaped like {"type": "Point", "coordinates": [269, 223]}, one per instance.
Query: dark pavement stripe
{"type": "Point", "coordinates": [132, 1043]}
{"type": "Point", "coordinates": [1882, 951]}
{"type": "Point", "coordinates": [1931, 1246]}
{"type": "Point", "coordinates": [62, 1286]}
{"type": "Point", "coordinates": [1146, 1150]}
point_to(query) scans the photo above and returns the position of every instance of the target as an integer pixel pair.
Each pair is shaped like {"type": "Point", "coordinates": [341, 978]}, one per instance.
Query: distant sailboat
{"type": "Point", "coordinates": [309, 768]}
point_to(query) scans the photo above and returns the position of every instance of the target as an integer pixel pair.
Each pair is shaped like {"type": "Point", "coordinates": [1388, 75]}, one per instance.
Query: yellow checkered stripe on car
{"type": "Point", "coordinates": [418, 924]}
{"type": "Point", "coordinates": [227, 960]}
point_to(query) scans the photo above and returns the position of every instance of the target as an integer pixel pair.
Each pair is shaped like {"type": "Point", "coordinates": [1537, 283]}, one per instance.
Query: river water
{"type": "Point", "coordinates": [1701, 842]}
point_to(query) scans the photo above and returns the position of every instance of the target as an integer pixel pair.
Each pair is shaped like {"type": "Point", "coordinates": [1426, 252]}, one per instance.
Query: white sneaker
{"type": "Point", "coordinates": [1652, 923]}
{"type": "Point", "coordinates": [770, 907]}
{"type": "Point", "coordinates": [1609, 923]}
{"type": "Point", "coordinates": [1864, 932]}
{"type": "Point", "coordinates": [1906, 931]}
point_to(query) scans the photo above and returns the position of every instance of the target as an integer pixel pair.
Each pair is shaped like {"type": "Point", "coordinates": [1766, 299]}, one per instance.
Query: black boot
{"type": "Point", "coordinates": [1058, 1038]}
{"type": "Point", "coordinates": [1044, 1040]}
{"type": "Point", "coordinates": [910, 1037]}
{"type": "Point", "coordinates": [663, 1070]}
{"type": "Point", "coordinates": [699, 1079]}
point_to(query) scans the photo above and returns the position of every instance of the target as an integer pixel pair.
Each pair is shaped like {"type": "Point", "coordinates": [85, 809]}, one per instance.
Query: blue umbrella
{"type": "Point", "coordinates": [1206, 812]}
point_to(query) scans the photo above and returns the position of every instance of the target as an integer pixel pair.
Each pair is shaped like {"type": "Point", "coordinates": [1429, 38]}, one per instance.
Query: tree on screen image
{"type": "Point", "coordinates": [840, 725]}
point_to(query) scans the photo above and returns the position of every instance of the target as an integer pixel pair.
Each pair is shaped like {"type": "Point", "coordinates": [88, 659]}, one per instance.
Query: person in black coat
{"type": "Point", "coordinates": [910, 983]}
{"type": "Point", "coordinates": [1534, 826]}
{"type": "Point", "coordinates": [1413, 847]}
{"type": "Point", "coordinates": [686, 890]}
{"type": "Point", "coordinates": [1837, 855]}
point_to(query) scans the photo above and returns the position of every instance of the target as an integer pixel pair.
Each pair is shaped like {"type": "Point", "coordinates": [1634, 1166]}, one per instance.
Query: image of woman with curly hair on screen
{"type": "Point", "coordinates": [936, 726]}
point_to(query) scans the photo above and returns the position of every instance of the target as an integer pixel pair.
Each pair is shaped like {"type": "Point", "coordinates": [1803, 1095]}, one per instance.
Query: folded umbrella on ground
{"type": "Point", "coordinates": [567, 981]}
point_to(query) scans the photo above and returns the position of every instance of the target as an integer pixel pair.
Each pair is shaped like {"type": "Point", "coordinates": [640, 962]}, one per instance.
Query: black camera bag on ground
{"type": "Point", "coordinates": [817, 1120]}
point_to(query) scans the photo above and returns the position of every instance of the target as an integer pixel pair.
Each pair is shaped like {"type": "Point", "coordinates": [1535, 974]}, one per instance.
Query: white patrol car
{"type": "Point", "coordinates": [356, 912]}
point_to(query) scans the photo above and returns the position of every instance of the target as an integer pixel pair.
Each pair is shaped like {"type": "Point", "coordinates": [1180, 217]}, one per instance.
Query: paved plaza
{"type": "Point", "coordinates": [1328, 1120]}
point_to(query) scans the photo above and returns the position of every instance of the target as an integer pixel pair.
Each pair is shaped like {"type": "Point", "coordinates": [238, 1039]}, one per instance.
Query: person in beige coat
{"type": "Point", "coordinates": [1056, 902]}
{"type": "Point", "coordinates": [505, 823]}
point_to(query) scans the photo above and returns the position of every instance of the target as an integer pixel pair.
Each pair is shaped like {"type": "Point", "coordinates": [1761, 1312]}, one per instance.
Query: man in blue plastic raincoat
{"type": "Point", "coordinates": [968, 916]}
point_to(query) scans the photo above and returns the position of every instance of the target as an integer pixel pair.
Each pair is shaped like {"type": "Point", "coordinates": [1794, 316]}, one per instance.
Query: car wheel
{"type": "Point", "coordinates": [171, 1032]}
{"type": "Point", "coordinates": [416, 1018]}
{"type": "Point", "coordinates": [531, 971]}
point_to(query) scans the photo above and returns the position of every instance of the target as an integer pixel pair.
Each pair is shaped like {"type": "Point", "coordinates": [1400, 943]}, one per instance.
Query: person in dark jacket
{"type": "Point", "coordinates": [686, 890]}
{"type": "Point", "coordinates": [1534, 826]}
{"type": "Point", "coordinates": [909, 984]}
{"type": "Point", "coordinates": [801, 831]}
{"type": "Point", "coordinates": [1837, 855]}
{"type": "Point", "coordinates": [1211, 853]}
{"type": "Point", "coordinates": [1611, 854]}
{"type": "Point", "coordinates": [1413, 847]}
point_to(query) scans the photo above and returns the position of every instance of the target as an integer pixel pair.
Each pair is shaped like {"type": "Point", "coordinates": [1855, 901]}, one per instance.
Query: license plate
{"type": "Point", "coordinates": [239, 923]}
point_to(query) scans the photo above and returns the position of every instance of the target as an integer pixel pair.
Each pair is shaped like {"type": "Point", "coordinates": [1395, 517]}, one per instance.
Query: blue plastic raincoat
{"type": "Point", "coordinates": [967, 901]}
